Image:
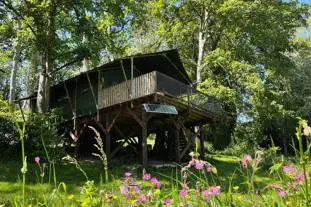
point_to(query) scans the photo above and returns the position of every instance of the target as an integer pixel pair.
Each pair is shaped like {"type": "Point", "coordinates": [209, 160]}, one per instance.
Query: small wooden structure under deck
{"type": "Point", "coordinates": [111, 97]}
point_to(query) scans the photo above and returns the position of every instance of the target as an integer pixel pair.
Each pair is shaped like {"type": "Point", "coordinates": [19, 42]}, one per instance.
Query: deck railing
{"type": "Point", "coordinates": [154, 82]}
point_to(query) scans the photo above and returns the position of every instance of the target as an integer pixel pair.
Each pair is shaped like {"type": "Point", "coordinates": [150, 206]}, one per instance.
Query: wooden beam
{"type": "Point", "coordinates": [110, 125]}
{"type": "Point", "coordinates": [138, 120]}
{"type": "Point", "coordinates": [127, 139]}
{"type": "Point", "coordinates": [121, 144]}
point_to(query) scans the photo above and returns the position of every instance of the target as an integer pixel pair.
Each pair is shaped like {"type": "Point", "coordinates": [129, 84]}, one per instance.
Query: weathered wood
{"type": "Point", "coordinates": [177, 122]}
{"type": "Point", "coordinates": [126, 139]}
{"type": "Point", "coordinates": [140, 86]}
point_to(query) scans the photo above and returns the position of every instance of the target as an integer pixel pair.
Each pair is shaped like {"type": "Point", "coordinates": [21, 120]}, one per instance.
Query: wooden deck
{"type": "Point", "coordinates": [163, 88]}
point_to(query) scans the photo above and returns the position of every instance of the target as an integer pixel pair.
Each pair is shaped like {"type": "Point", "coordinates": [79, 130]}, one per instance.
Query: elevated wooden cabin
{"type": "Point", "coordinates": [132, 97]}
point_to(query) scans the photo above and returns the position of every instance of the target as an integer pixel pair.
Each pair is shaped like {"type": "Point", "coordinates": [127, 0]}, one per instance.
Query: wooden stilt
{"type": "Point", "coordinates": [178, 122]}
{"type": "Point", "coordinates": [143, 122]}
{"type": "Point", "coordinates": [107, 138]}
{"type": "Point", "coordinates": [177, 143]}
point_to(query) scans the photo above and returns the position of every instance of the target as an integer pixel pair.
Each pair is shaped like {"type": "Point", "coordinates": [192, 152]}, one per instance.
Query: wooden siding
{"type": "Point", "coordinates": [128, 90]}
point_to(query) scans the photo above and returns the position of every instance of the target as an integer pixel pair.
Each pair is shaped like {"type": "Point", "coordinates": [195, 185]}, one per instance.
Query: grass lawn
{"type": "Point", "coordinates": [10, 176]}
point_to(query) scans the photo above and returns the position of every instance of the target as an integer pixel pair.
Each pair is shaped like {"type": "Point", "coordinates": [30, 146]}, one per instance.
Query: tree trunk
{"type": "Point", "coordinates": [31, 77]}
{"type": "Point", "coordinates": [41, 108]}
{"type": "Point", "coordinates": [201, 47]}
{"type": "Point", "coordinates": [16, 60]}
{"type": "Point", "coordinates": [43, 96]}
{"type": "Point", "coordinates": [85, 61]}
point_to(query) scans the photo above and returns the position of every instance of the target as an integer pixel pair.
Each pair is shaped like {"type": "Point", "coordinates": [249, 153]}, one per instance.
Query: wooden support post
{"type": "Point", "coordinates": [178, 122]}
{"type": "Point", "coordinates": [143, 122]}
{"type": "Point", "coordinates": [177, 143]}
{"type": "Point", "coordinates": [107, 138]}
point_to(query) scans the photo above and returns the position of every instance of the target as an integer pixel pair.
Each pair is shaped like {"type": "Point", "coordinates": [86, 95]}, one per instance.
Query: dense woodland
{"type": "Point", "coordinates": [253, 56]}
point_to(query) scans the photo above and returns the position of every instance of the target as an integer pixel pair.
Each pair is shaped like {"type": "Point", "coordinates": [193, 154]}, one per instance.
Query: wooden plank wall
{"type": "Point", "coordinates": [131, 89]}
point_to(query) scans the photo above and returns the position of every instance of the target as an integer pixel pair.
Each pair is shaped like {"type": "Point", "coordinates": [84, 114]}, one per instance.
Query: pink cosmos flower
{"type": "Point", "coordinates": [124, 190]}
{"type": "Point", "coordinates": [37, 159]}
{"type": "Point", "coordinates": [183, 193]}
{"type": "Point", "coordinates": [141, 198]}
{"type": "Point", "coordinates": [168, 202]}
{"type": "Point", "coordinates": [282, 194]}
{"type": "Point", "coordinates": [146, 176]}
{"type": "Point", "coordinates": [199, 165]}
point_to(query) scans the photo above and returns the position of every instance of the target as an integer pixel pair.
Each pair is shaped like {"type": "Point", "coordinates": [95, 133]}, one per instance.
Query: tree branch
{"type": "Point", "coordinates": [67, 64]}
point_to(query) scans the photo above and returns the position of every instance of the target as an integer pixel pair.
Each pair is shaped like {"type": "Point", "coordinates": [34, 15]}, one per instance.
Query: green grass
{"type": "Point", "coordinates": [10, 176]}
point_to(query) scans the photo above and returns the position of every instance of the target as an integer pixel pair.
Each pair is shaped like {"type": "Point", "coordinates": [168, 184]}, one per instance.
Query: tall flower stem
{"type": "Point", "coordinates": [303, 160]}
{"type": "Point", "coordinates": [21, 131]}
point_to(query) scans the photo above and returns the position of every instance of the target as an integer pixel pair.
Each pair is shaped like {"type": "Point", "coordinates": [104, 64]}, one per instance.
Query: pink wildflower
{"type": "Point", "coordinates": [154, 180]}
{"type": "Point", "coordinates": [124, 190]}
{"type": "Point", "coordinates": [158, 185]}
{"type": "Point", "coordinates": [168, 202]}
{"type": "Point", "coordinates": [136, 189]}
{"type": "Point", "coordinates": [290, 170]}
{"type": "Point", "coordinates": [141, 198]}
{"type": "Point", "coordinates": [127, 174]}
{"type": "Point", "coordinates": [199, 165]}
{"type": "Point", "coordinates": [282, 194]}
{"type": "Point", "coordinates": [37, 159]}
{"type": "Point", "coordinates": [246, 160]}
{"type": "Point", "coordinates": [183, 193]}
{"type": "Point", "coordinates": [205, 194]}
{"type": "Point", "coordinates": [146, 176]}
{"type": "Point", "coordinates": [301, 177]}
{"type": "Point", "coordinates": [214, 191]}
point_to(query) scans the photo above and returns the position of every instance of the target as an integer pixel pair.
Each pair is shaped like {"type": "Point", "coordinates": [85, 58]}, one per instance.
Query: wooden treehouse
{"type": "Point", "coordinates": [131, 98]}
